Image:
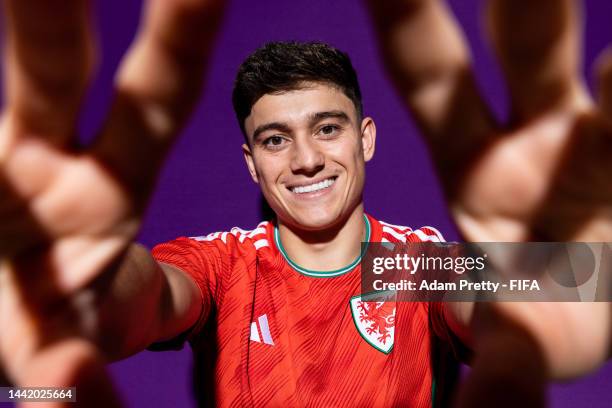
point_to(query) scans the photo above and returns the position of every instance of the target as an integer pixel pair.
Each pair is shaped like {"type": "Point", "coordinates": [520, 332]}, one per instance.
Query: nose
{"type": "Point", "coordinates": [308, 159]}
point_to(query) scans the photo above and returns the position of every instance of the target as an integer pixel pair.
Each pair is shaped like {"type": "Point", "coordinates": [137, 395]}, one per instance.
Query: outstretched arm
{"type": "Point", "coordinates": [146, 302]}
{"type": "Point", "coordinates": [543, 175]}
{"type": "Point", "coordinates": [68, 215]}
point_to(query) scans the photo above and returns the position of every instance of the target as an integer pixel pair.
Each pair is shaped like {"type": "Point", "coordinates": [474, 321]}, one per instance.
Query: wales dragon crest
{"type": "Point", "coordinates": [374, 317]}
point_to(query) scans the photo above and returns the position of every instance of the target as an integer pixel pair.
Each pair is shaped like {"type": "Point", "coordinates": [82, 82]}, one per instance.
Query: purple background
{"type": "Point", "coordinates": [205, 186]}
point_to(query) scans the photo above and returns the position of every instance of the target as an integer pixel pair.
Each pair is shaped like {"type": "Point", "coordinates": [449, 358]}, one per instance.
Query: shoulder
{"type": "Point", "coordinates": [221, 245]}
{"type": "Point", "coordinates": [254, 238]}
{"type": "Point", "coordinates": [394, 233]}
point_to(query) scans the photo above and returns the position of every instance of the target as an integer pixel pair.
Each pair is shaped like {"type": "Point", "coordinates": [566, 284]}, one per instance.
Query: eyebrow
{"type": "Point", "coordinates": [335, 114]}
{"type": "Point", "coordinates": [313, 120]}
{"type": "Point", "coordinates": [283, 127]}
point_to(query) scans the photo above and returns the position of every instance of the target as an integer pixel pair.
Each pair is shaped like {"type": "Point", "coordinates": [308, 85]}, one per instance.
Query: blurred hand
{"type": "Point", "coordinates": [544, 175]}
{"type": "Point", "coordinates": [67, 214]}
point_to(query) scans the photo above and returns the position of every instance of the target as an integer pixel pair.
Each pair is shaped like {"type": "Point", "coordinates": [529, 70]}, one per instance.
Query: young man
{"type": "Point", "coordinates": [281, 307]}
{"type": "Point", "coordinates": [69, 294]}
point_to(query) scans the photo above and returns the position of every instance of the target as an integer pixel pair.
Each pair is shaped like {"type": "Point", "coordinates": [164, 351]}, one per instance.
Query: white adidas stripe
{"type": "Point", "coordinates": [255, 333]}
{"type": "Point", "coordinates": [394, 233]}
{"type": "Point", "coordinates": [437, 232]}
{"type": "Point", "coordinates": [424, 237]}
{"type": "Point", "coordinates": [400, 227]}
{"type": "Point", "coordinates": [265, 331]}
{"type": "Point", "coordinates": [261, 243]}
{"type": "Point", "coordinates": [257, 231]}
{"type": "Point", "coordinates": [239, 233]}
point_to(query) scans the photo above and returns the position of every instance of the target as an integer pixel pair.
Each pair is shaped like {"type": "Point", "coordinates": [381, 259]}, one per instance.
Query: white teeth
{"type": "Point", "coordinates": [314, 187]}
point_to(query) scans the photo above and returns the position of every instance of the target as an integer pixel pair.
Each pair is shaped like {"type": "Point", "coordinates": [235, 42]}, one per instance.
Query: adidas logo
{"type": "Point", "coordinates": [263, 328]}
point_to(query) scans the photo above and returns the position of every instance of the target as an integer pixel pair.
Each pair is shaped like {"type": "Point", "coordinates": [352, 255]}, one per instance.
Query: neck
{"type": "Point", "coordinates": [328, 249]}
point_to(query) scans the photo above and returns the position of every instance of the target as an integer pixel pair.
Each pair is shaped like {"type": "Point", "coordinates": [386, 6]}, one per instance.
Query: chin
{"type": "Point", "coordinates": [315, 220]}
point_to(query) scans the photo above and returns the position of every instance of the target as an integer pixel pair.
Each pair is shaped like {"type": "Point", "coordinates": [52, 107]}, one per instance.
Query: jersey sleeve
{"type": "Point", "coordinates": [442, 330]}
{"type": "Point", "coordinates": [437, 315]}
{"type": "Point", "coordinates": [205, 263]}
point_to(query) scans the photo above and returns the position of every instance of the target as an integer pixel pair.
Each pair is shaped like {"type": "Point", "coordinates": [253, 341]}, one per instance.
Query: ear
{"type": "Point", "coordinates": [248, 157]}
{"type": "Point", "coordinates": [368, 138]}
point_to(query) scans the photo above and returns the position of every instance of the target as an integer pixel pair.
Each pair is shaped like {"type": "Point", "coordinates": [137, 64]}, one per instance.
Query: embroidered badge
{"type": "Point", "coordinates": [374, 317]}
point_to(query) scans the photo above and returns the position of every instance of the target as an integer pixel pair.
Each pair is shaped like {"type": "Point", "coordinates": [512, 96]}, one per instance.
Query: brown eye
{"type": "Point", "coordinates": [329, 130]}
{"type": "Point", "coordinates": [274, 142]}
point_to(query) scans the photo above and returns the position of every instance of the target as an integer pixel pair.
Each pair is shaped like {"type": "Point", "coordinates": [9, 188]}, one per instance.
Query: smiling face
{"type": "Point", "coordinates": [307, 151]}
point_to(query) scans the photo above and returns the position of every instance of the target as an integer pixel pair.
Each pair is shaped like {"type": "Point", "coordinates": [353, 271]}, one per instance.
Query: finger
{"type": "Point", "coordinates": [604, 83]}
{"type": "Point", "coordinates": [48, 60]}
{"type": "Point", "coordinates": [429, 62]}
{"type": "Point", "coordinates": [157, 86]}
{"type": "Point", "coordinates": [537, 43]}
{"type": "Point", "coordinates": [18, 229]}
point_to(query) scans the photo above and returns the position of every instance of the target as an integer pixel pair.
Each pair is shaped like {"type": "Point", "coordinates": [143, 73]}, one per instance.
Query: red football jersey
{"type": "Point", "coordinates": [274, 334]}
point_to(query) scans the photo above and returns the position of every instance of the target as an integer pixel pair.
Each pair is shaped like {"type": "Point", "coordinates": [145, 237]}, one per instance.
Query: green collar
{"type": "Point", "coordinates": [323, 274]}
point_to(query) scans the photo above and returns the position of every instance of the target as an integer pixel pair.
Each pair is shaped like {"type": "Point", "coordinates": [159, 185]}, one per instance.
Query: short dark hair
{"type": "Point", "coordinates": [284, 66]}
